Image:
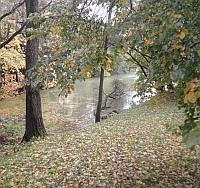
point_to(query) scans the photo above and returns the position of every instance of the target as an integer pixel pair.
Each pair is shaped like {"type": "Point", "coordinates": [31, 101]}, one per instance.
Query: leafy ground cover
{"type": "Point", "coordinates": [136, 148]}
{"type": "Point", "coordinates": [9, 133]}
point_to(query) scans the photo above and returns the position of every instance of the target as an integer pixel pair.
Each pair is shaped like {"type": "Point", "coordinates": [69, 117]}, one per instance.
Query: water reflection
{"type": "Point", "coordinates": [78, 108]}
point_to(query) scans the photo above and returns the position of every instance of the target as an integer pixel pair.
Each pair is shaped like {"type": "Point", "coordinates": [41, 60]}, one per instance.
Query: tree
{"type": "Point", "coordinates": [34, 120]}
{"type": "Point", "coordinates": [116, 92]}
{"type": "Point", "coordinates": [100, 97]}
{"type": "Point", "coordinates": [168, 32]}
{"type": "Point", "coordinates": [11, 22]}
{"type": "Point", "coordinates": [12, 57]}
{"type": "Point", "coordinates": [79, 48]}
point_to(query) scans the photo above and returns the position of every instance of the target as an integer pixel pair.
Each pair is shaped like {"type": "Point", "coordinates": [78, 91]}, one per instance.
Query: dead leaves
{"type": "Point", "coordinates": [192, 91]}
{"type": "Point", "coordinates": [132, 149]}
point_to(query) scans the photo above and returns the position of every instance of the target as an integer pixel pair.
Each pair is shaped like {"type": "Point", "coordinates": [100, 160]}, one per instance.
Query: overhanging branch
{"type": "Point", "coordinates": [23, 25]}
{"type": "Point", "coordinates": [13, 35]}
{"type": "Point", "coordinates": [143, 55]}
{"type": "Point", "coordinates": [138, 63]}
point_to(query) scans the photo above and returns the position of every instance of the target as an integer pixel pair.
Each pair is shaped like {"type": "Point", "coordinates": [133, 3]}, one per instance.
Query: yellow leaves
{"type": "Point", "coordinates": [110, 62]}
{"type": "Point", "coordinates": [170, 13]}
{"type": "Point", "coordinates": [198, 52]}
{"type": "Point", "coordinates": [135, 33]}
{"type": "Point", "coordinates": [189, 97]}
{"type": "Point", "coordinates": [15, 43]}
{"type": "Point", "coordinates": [173, 14]}
{"type": "Point", "coordinates": [156, 101]}
{"type": "Point", "coordinates": [115, 153]}
{"type": "Point", "coordinates": [86, 74]}
{"type": "Point", "coordinates": [72, 87]}
{"type": "Point", "coordinates": [56, 46]}
{"type": "Point", "coordinates": [106, 74]}
{"type": "Point", "coordinates": [158, 4]}
{"type": "Point", "coordinates": [178, 16]}
{"type": "Point", "coordinates": [175, 133]}
{"type": "Point", "coordinates": [11, 58]}
{"type": "Point", "coordinates": [164, 62]}
{"type": "Point", "coordinates": [149, 41]}
{"type": "Point", "coordinates": [182, 34]}
{"type": "Point", "coordinates": [192, 91]}
{"type": "Point", "coordinates": [183, 54]}
{"type": "Point", "coordinates": [176, 46]}
{"type": "Point", "coordinates": [191, 84]}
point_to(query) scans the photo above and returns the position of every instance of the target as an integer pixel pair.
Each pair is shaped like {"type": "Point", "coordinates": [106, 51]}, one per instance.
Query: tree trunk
{"type": "Point", "coordinates": [34, 120]}
{"type": "Point", "coordinates": [1, 77]}
{"type": "Point", "coordinates": [98, 113]}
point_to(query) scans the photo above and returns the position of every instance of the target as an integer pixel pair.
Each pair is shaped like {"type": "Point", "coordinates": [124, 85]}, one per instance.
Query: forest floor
{"type": "Point", "coordinates": [139, 147]}
{"type": "Point", "coordinates": [12, 88]}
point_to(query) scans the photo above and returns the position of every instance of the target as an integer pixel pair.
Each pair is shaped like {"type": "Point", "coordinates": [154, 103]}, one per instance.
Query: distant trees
{"type": "Point", "coordinates": [11, 40]}
{"type": "Point", "coordinates": [117, 90]}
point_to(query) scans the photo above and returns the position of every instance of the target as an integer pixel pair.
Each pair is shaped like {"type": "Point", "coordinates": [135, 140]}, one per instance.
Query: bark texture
{"type": "Point", "coordinates": [34, 120]}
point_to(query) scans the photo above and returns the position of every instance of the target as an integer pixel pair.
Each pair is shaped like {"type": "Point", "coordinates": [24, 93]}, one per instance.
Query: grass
{"type": "Point", "coordinates": [10, 133]}
{"type": "Point", "coordinates": [11, 128]}
{"type": "Point", "coordinates": [135, 148]}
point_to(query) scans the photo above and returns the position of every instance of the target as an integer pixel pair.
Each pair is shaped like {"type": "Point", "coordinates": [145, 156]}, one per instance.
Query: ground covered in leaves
{"type": "Point", "coordinates": [11, 87]}
{"type": "Point", "coordinates": [136, 148]}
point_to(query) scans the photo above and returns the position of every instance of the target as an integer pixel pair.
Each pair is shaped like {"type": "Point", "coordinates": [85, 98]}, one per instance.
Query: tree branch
{"type": "Point", "coordinates": [143, 55]}
{"type": "Point", "coordinates": [84, 5]}
{"type": "Point", "coordinates": [22, 27]}
{"type": "Point", "coordinates": [43, 8]}
{"type": "Point", "coordinates": [12, 11]}
{"type": "Point", "coordinates": [13, 35]}
{"type": "Point", "coordinates": [138, 63]}
{"type": "Point", "coordinates": [194, 44]}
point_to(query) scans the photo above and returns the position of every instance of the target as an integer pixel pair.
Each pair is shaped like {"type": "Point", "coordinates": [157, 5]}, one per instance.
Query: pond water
{"type": "Point", "coordinates": [77, 109]}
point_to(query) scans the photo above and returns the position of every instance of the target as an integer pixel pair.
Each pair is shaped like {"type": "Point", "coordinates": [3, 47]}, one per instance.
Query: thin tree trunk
{"type": "Point", "coordinates": [98, 113]}
{"type": "Point", "coordinates": [1, 77]}
{"type": "Point", "coordinates": [34, 120]}
{"type": "Point", "coordinates": [99, 105]}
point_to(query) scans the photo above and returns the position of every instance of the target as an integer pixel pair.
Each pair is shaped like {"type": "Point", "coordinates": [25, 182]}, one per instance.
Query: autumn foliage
{"type": "Point", "coordinates": [169, 33]}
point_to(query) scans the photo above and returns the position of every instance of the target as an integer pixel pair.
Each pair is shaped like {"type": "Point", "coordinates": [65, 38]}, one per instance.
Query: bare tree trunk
{"type": "Point", "coordinates": [34, 120]}
{"type": "Point", "coordinates": [1, 77]}
{"type": "Point", "coordinates": [98, 113]}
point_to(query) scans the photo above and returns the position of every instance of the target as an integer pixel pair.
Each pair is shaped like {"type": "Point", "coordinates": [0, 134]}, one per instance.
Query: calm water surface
{"type": "Point", "coordinates": [74, 111]}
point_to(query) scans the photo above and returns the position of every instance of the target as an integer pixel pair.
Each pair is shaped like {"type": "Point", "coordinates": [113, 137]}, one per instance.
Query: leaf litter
{"type": "Point", "coordinates": [131, 149]}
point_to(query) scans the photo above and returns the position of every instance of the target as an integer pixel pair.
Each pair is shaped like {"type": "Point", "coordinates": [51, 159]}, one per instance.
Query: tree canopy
{"type": "Point", "coordinates": [169, 32]}
{"type": "Point", "coordinates": [161, 38]}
